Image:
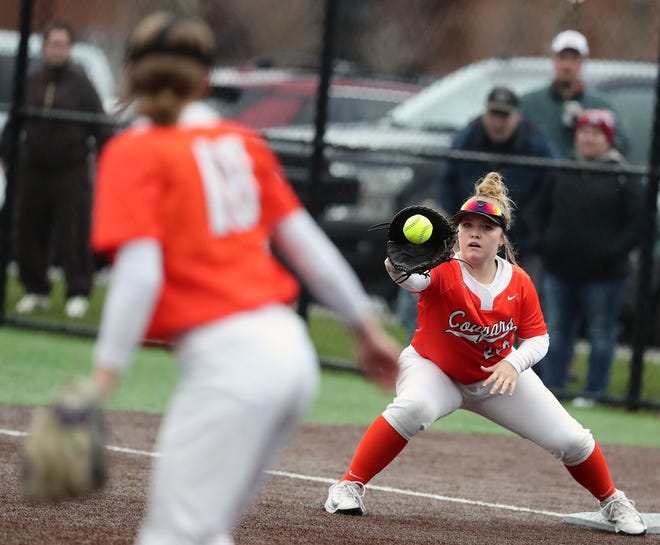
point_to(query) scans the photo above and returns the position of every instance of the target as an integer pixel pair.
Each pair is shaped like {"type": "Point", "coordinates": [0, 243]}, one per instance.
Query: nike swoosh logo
{"type": "Point", "coordinates": [511, 297]}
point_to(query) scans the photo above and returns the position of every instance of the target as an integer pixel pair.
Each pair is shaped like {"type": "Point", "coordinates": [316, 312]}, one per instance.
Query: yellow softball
{"type": "Point", "coordinates": [418, 229]}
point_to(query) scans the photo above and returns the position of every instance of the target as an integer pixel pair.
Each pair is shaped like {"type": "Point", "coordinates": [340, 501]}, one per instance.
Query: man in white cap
{"type": "Point", "coordinates": [555, 107]}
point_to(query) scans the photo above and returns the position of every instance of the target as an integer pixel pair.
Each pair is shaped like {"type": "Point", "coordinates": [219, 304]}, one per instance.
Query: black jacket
{"type": "Point", "coordinates": [588, 223]}
{"type": "Point", "coordinates": [53, 143]}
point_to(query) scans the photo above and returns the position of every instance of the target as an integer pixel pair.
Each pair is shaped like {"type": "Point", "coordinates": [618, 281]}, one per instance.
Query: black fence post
{"type": "Point", "coordinates": [645, 273]}
{"type": "Point", "coordinates": [317, 166]}
{"type": "Point", "coordinates": [14, 128]}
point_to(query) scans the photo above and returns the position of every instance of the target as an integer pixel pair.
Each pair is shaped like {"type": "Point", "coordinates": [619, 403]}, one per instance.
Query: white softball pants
{"type": "Point", "coordinates": [426, 394]}
{"type": "Point", "coordinates": [245, 383]}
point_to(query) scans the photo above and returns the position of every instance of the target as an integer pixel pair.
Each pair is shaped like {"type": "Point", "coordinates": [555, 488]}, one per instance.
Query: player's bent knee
{"type": "Point", "coordinates": [408, 416]}
{"type": "Point", "coordinates": [576, 449]}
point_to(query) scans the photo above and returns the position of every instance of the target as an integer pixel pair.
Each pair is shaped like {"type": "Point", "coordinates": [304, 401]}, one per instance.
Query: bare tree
{"type": "Point", "coordinates": [286, 33]}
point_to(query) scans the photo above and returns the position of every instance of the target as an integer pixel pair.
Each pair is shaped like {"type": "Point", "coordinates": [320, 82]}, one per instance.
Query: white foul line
{"type": "Point", "coordinates": [311, 478]}
{"type": "Point", "coordinates": [427, 495]}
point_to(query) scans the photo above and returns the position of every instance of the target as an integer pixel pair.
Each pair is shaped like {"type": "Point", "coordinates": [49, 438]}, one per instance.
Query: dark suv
{"type": "Point", "coordinates": [393, 158]}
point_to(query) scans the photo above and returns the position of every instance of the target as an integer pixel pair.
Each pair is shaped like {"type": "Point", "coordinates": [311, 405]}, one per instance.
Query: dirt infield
{"type": "Point", "coordinates": [523, 489]}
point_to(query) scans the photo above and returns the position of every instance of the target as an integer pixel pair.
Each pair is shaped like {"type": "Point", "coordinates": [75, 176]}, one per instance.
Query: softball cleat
{"type": "Point", "coordinates": [345, 498]}
{"type": "Point", "coordinates": [621, 511]}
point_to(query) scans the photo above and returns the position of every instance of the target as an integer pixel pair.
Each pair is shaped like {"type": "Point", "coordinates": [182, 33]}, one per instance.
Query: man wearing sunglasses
{"type": "Point", "coordinates": [588, 224]}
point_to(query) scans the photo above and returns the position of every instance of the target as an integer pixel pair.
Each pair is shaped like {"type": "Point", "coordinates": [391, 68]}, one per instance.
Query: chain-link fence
{"type": "Point", "coordinates": [434, 62]}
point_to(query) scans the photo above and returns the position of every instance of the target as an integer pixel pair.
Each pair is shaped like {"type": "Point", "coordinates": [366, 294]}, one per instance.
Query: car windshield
{"type": "Point", "coordinates": [271, 106]}
{"type": "Point", "coordinates": [344, 109]}
{"type": "Point", "coordinates": [453, 101]}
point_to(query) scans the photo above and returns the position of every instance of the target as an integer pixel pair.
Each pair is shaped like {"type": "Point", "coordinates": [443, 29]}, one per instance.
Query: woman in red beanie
{"type": "Point", "coordinates": [594, 136]}
{"type": "Point", "coordinates": [588, 223]}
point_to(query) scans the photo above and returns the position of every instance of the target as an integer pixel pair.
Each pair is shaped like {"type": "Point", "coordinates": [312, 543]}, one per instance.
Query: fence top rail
{"type": "Point", "coordinates": [389, 156]}
{"type": "Point", "coordinates": [393, 157]}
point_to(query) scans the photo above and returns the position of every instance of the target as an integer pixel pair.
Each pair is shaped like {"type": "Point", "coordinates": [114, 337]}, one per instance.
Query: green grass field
{"type": "Point", "coordinates": [330, 338]}
{"type": "Point", "coordinates": [32, 363]}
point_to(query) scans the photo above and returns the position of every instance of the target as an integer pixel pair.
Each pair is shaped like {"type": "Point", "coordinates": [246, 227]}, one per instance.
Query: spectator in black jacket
{"type": "Point", "coordinates": [53, 200]}
{"type": "Point", "coordinates": [588, 225]}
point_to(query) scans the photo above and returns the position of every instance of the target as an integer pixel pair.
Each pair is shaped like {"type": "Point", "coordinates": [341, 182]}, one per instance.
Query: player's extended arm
{"type": "Point", "coordinates": [132, 294]}
{"type": "Point", "coordinates": [325, 272]}
{"type": "Point", "coordinates": [414, 283]}
{"type": "Point", "coordinates": [321, 266]}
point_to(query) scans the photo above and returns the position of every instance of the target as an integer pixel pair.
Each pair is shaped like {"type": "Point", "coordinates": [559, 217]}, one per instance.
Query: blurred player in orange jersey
{"type": "Point", "coordinates": [462, 356]}
{"type": "Point", "coordinates": [187, 207]}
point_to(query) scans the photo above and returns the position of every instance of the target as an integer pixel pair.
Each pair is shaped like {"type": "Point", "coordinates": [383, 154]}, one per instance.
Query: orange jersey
{"type": "Point", "coordinates": [463, 325]}
{"type": "Point", "coordinates": [209, 194]}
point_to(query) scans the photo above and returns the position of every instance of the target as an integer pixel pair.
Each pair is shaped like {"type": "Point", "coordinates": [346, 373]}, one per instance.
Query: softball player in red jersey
{"type": "Point", "coordinates": [462, 356]}
{"type": "Point", "coordinates": [188, 206]}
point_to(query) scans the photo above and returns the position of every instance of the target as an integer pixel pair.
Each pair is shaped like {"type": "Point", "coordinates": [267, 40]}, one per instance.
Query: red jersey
{"type": "Point", "coordinates": [209, 194]}
{"type": "Point", "coordinates": [463, 325]}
